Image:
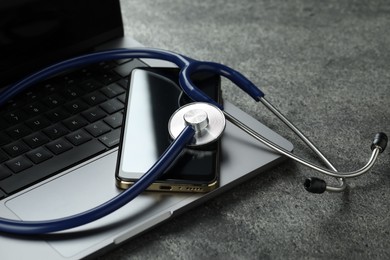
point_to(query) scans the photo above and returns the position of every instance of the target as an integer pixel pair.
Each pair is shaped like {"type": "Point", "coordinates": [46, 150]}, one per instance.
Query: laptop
{"type": "Point", "coordinates": [45, 173]}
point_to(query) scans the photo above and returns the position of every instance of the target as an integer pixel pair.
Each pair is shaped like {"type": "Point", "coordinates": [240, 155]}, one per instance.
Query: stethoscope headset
{"type": "Point", "coordinates": [195, 124]}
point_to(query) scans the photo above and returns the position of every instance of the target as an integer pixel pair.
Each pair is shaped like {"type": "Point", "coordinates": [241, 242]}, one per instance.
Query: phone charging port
{"type": "Point", "coordinates": [165, 187]}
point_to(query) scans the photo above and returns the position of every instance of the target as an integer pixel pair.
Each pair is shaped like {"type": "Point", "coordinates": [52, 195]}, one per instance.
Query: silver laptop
{"type": "Point", "coordinates": [44, 174]}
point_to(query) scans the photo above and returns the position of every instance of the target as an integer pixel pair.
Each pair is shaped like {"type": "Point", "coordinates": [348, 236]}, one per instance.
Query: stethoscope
{"type": "Point", "coordinates": [194, 124]}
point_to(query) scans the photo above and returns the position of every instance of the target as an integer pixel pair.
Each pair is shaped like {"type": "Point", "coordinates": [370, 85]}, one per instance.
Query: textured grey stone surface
{"type": "Point", "coordinates": [326, 65]}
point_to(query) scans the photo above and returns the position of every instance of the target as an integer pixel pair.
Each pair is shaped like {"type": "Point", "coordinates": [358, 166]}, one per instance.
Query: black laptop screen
{"type": "Point", "coordinates": [34, 33]}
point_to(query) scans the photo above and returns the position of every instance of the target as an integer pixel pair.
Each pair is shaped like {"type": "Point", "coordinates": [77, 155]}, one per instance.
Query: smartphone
{"type": "Point", "coordinates": [153, 96]}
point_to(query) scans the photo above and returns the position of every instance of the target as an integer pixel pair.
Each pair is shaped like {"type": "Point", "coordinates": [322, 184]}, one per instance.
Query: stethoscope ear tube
{"type": "Point", "coordinates": [314, 185]}
{"type": "Point", "coordinates": [317, 185]}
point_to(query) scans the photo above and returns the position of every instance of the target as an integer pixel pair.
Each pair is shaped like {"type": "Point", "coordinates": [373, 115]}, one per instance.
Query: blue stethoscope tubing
{"type": "Point", "coordinates": [187, 67]}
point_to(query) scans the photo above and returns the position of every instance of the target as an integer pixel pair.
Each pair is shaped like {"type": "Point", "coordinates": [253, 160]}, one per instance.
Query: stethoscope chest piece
{"type": "Point", "coordinates": [207, 120]}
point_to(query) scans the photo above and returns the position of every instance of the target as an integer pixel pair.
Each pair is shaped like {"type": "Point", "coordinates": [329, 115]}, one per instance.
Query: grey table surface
{"type": "Point", "coordinates": [326, 65]}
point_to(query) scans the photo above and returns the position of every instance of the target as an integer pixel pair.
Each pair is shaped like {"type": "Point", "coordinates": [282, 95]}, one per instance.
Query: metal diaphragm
{"type": "Point", "coordinates": [207, 120]}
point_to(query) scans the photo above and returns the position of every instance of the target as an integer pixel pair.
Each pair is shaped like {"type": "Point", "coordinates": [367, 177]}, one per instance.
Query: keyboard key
{"type": "Point", "coordinates": [107, 77]}
{"type": "Point", "coordinates": [18, 131]}
{"type": "Point", "coordinates": [76, 106]}
{"type": "Point", "coordinates": [124, 83]}
{"type": "Point", "coordinates": [35, 109]}
{"type": "Point", "coordinates": [112, 90]}
{"type": "Point", "coordinates": [57, 115]}
{"type": "Point", "coordinates": [19, 164]}
{"type": "Point", "coordinates": [36, 139]}
{"type": "Point", "coordinates": [112, 106]}
{"type": "Point", "coordinates": [55, 131]}
{"type": "Point", "coordinates": [15, 117]}
{"type": "Point", "coordinates": [94, 98]}
{"type": "Point", "coordinates": [79, 137]}
{"type": "Point", "coordinates": [4, 172]}
{"type": "Point", "coordinates": [59, 146]}
{"type": "Point", "coordinates": [114, 120]}
{"type": "Point", "coordinates": [14, 104]}
{"type": "Point", "coordinates": [51, 88]}
{"type": "Point", "coordinates": [50, 167]}
{"type": "Point", "coordinates": [39, 155]}
{"type": "Point", "coordinates": [3, 156]}
{"type": "Point", "coordinates": [16, 148]}
{"type": "Point", "coordinates": [122, 98]}
{"type": "Point", "coordinates": [90, 85]}
{"type": "Point", "coordinates": [32, 95]}
{"type": "Point", "coordinates": [98, 128]}
{"type": "Point", "coordinates": [72, 93]}
{"type": "Point", "coordinates": [87, 74]}
{"type": "Point", "coordinates": [75, 123]}
{"type": "Point", "coordinates": [111, 139]}
{"type": "Point", "coordinates": [67, 81]}
{"type": "Point", "coordinates": [53, 101]}
{"type": "Point", "coordinates": [94, 114]}
{"type": "Point", "coordinates": [38, 123]}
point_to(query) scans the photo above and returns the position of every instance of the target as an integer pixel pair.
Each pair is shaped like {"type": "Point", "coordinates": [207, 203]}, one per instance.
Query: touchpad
{"type": "Point", "coordinates": [81, 189]}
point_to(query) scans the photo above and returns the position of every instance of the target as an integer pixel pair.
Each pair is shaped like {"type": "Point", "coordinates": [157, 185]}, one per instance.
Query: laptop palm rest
{"type": "Point", "coordinates": [242, 158]}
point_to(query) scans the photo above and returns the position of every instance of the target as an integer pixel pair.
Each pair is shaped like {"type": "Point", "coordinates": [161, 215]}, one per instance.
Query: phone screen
{"type": "Point", "coordinates": [153, 97]}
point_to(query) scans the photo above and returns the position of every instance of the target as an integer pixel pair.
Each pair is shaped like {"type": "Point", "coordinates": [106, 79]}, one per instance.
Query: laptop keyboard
{"type": "Point", "coordinates": [62, 122]}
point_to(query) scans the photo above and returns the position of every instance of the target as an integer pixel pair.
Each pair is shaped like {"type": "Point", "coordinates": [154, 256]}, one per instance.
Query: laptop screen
{"type": "Point", "coordinates": [35, 33]}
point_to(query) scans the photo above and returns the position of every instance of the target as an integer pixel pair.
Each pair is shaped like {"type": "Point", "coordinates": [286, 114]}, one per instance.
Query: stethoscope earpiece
{"type": "Point", "coordinates": [380, 140]}
{"type": "Point", "coordinates": [315, 185]}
